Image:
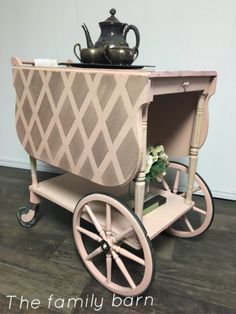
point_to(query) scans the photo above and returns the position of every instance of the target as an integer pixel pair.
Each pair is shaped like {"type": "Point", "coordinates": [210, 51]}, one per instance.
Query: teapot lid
{"type": "Point", "coordinates": [112, 19]}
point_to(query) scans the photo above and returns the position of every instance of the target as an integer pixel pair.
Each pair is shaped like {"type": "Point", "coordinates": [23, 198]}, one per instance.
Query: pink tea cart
{"type": "Point", "coordinates": [95, 124]}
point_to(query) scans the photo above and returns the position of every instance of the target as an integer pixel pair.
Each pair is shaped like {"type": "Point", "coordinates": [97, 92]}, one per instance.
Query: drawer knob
{"type": "Point", "coordinates": [185, 85]}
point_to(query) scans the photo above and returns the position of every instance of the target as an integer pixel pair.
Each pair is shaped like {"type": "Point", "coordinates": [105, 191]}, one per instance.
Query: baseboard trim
{"type": "Point", "coordinates": [219, 193]}
{"type": "Point", "coordinates": [41, 166]}
{"type": "Point", "coordinates": [228, 195]}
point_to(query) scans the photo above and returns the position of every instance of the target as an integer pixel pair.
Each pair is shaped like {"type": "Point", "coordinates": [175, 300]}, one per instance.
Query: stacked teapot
{"type": "Point", "coordinates": [111, 47]}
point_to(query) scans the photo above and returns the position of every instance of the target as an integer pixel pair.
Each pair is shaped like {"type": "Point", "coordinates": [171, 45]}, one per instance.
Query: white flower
{"type": "Point", "coordinates": [154, 158]}
{"type": "Point", "coordinates": [149, 162]}
{"type": "Point", "coordinates": [159, 149]}
{"type": "Point", "coordinates": [156, 155]}
{"type": "Point", "coordinates": [164, 156]}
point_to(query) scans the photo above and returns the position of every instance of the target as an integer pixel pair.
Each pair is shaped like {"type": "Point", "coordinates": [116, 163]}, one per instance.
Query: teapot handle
{"type": "Point", "coordinates": [75, 52]}
{"type": "Point", "coordinates": [136, 32]}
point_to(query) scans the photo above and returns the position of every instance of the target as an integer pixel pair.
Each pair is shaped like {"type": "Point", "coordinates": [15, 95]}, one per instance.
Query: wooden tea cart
{"type": "Point", "coordinates": [96, 124]}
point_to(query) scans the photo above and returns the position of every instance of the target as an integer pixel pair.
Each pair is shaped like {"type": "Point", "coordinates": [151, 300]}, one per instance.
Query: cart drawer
{"type": "Point", "coordinates": [165, 85]}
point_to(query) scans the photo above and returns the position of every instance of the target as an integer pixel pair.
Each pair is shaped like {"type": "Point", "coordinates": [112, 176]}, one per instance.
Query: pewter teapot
{"type": "Point", "coordinates": [113, 33]}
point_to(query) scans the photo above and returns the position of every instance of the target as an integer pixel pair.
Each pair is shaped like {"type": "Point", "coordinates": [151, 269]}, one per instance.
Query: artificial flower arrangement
{"type": "Point", "coordinates": [156, 163]}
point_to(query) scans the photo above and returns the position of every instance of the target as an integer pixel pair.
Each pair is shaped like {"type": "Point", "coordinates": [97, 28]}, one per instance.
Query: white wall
{"type": "Point", "coordinates": [183, 34]}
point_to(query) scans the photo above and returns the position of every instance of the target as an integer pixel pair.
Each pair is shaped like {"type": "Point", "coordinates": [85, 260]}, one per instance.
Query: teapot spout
{"type": "Point", "coordinates": [87, 35]}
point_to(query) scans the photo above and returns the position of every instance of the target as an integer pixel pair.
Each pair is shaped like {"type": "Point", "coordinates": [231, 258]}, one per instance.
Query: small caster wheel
{"type": "Point", "coordinates": [28, 217]}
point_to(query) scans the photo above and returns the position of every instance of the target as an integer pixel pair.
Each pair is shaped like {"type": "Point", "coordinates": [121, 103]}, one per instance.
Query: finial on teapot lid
{"type": "Point", "coordinates": [113, 11]}
{"type": "Point", "coordinates": [112, 18]}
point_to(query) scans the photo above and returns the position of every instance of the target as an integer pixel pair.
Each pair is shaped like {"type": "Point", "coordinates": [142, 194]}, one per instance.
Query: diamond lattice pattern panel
{"type": "Point", "coordinates": [85, 123]}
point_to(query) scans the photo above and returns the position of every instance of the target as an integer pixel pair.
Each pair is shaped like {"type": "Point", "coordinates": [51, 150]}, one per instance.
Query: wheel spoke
{"type": "Point", "coordinates": [129, 255]}
{"type": "Point", "coordinates": [109, 267]}
{"type": "Point", "coordinates": [94, 220]}
{"type": "Point", "coordinates": [165, 185]}
{"type": "Point", "coordinates": [90, 234]}
{"type": "Point", "coordinates": [94, 253]}
{"type": "Point", "coordinates": [196, 189]}
{"type": "Point", "coordinates": [199, 210]}
{"type": "Point", "coordinates": [123, 269]}
{"type": "Point", "coordinates": [176, 182]}
{"type": "Point", "coordinates": [188, 224]}
{"type": "Point", "coordinates": [108, 218]}
{"type": "Point", "coordinates": [123, 234]}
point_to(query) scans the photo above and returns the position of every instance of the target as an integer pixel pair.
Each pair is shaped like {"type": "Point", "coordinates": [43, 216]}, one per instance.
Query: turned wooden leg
{"type": "Point", "coordinates": [140, 179]}
{"type": "Point", "coordinates": [34, 176]}
{"type": "Point", "coordinates": [195, 145]}
{"type": "Point", "coordinates": [28, 216]}
{"type": "Point", "coordinates": [34, 198]}
{"type": "Point", "coordinates": [139, 194]}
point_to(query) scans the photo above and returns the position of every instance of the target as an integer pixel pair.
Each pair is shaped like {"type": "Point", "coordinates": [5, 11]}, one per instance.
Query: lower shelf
{"type": "Point", "coordinates": [162, 217]}
{"type": "Point", "coordinates": [66, 190]}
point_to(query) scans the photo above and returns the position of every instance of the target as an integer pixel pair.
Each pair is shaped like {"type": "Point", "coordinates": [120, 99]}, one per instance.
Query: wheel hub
{"type": "Point", "coordinates": [105, 246]}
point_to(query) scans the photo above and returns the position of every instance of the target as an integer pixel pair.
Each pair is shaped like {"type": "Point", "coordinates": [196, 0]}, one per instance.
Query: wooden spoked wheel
{"type": "Point", "coordinates": [118, 267]}
{"type": "Point", "coordinates": [200, 216]}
